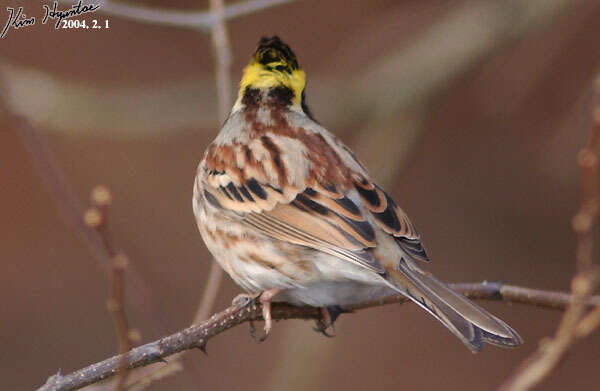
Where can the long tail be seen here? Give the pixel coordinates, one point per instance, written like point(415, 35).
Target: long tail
point(469, 322)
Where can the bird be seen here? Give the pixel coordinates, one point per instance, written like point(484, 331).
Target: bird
point(292, 215)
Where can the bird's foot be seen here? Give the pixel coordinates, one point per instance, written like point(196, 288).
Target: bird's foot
point(245, 299)
point(328, 317)
point(325, 322)
point(264, 299)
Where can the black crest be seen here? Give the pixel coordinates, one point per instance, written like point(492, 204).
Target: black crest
point(271, 50)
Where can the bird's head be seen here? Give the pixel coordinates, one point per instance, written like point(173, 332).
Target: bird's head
point(274, 67)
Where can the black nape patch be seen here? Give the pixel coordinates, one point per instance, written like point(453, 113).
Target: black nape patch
point(251, 97)
point(281, 95)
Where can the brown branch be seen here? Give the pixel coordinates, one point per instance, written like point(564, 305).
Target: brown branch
point(575, 323)
point(497, 291)
point(196, 336)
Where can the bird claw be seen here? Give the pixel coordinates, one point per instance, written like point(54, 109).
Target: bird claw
point(328, 317)
point(335, 311)
point(246, 300)
point(322, 329)
point(254, 336)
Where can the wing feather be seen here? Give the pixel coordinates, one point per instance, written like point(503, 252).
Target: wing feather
point(317, 210)
point(311, 212)
point(390, 218)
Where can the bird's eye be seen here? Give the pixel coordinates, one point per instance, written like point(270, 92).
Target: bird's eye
point(280, 68)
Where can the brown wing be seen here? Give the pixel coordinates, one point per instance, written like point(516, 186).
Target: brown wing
point(310, 209)
point(305, 196)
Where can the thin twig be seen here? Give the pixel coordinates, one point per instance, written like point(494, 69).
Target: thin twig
point(91, 229)
point(196, 336)
point(162, 371)
point(68, 204)
point(222, 54)
point(589, 323)
point(96, 217)
point(202, 20)
point(222, 51)
point(574, 323)
point(211, 288)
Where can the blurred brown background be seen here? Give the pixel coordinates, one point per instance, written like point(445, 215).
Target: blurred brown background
point(471, 111)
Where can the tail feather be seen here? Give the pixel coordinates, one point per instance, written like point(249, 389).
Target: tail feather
point(470, 323)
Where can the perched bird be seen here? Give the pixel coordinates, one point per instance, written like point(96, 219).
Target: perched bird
point(292, 215)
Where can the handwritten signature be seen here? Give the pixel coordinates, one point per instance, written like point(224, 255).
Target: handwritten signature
point(17, 19)
point(75, 10)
